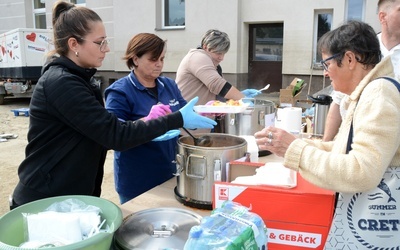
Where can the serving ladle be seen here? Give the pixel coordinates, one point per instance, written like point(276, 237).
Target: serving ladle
point(265, 88)
point(202, 141)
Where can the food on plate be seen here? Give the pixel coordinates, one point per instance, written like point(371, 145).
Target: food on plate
point(220, 107)
point(230, 102)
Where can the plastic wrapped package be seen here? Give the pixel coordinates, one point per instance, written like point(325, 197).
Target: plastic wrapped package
point(231, 227)
point(89, 216)
point(61, 224)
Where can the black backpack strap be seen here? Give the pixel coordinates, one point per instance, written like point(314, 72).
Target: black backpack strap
point(350, 139)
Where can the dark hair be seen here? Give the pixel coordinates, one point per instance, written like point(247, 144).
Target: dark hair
point(355, 36)
point(70, 21)
point(141, 44)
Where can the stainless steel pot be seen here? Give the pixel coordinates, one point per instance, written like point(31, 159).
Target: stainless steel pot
point(198, 167)
point(158, 228)
point(253, 119)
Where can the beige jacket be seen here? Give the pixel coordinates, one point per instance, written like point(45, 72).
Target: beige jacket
point(197, 76)
point(374, 108)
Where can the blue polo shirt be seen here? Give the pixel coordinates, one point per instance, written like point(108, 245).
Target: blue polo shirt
point(141, 168)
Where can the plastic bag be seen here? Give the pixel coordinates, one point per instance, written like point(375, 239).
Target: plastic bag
point(89, 215)
point(62, 223)
point(51, 227)
point(230, 227)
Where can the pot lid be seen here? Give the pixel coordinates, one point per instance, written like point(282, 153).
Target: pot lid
point(158, 228)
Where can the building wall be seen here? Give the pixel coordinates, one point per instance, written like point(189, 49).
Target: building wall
point(125, 18)
point(12, 15)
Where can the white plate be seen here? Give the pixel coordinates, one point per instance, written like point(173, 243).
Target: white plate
point(220, 109)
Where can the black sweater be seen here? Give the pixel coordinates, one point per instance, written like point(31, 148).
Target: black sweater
point(70, 132)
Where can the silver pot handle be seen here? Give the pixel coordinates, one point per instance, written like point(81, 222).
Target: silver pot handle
point(217, 170)
point(232, 119)
point(179, 162)
point(203, 170)
point(261, 118)
point(162, 232)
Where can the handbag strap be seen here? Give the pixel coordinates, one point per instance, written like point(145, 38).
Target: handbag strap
point(350, 139)
point(396, 83)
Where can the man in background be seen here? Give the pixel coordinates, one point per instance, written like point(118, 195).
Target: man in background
point(389, 39)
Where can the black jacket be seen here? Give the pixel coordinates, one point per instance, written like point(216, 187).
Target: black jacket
point(70, 132)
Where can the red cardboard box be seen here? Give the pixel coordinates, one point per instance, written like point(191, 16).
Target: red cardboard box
point(296, 218)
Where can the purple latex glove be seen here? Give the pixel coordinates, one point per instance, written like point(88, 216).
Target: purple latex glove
point(157, 111)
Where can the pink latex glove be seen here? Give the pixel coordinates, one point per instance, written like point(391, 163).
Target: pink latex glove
point(210, 102)
point(157, 111)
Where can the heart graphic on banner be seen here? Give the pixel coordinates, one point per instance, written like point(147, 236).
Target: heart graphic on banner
point(31, 37)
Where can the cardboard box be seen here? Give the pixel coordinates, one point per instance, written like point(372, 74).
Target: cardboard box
point(297, 218)
point(286, 96)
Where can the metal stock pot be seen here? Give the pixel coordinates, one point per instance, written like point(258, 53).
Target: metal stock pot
point(198, 167)
point(253, 119)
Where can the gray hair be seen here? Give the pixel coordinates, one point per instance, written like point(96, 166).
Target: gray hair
point(385, 4)
point(216, 41)
point(355, 36)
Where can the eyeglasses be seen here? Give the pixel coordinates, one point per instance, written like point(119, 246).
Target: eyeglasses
point(323, 62)
point(103, 44)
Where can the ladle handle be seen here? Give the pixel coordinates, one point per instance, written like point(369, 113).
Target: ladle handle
point(194, 138)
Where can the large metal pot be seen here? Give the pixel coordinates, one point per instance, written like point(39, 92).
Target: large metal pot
point(157, 228)
point(253, 119)
point(198, 167)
